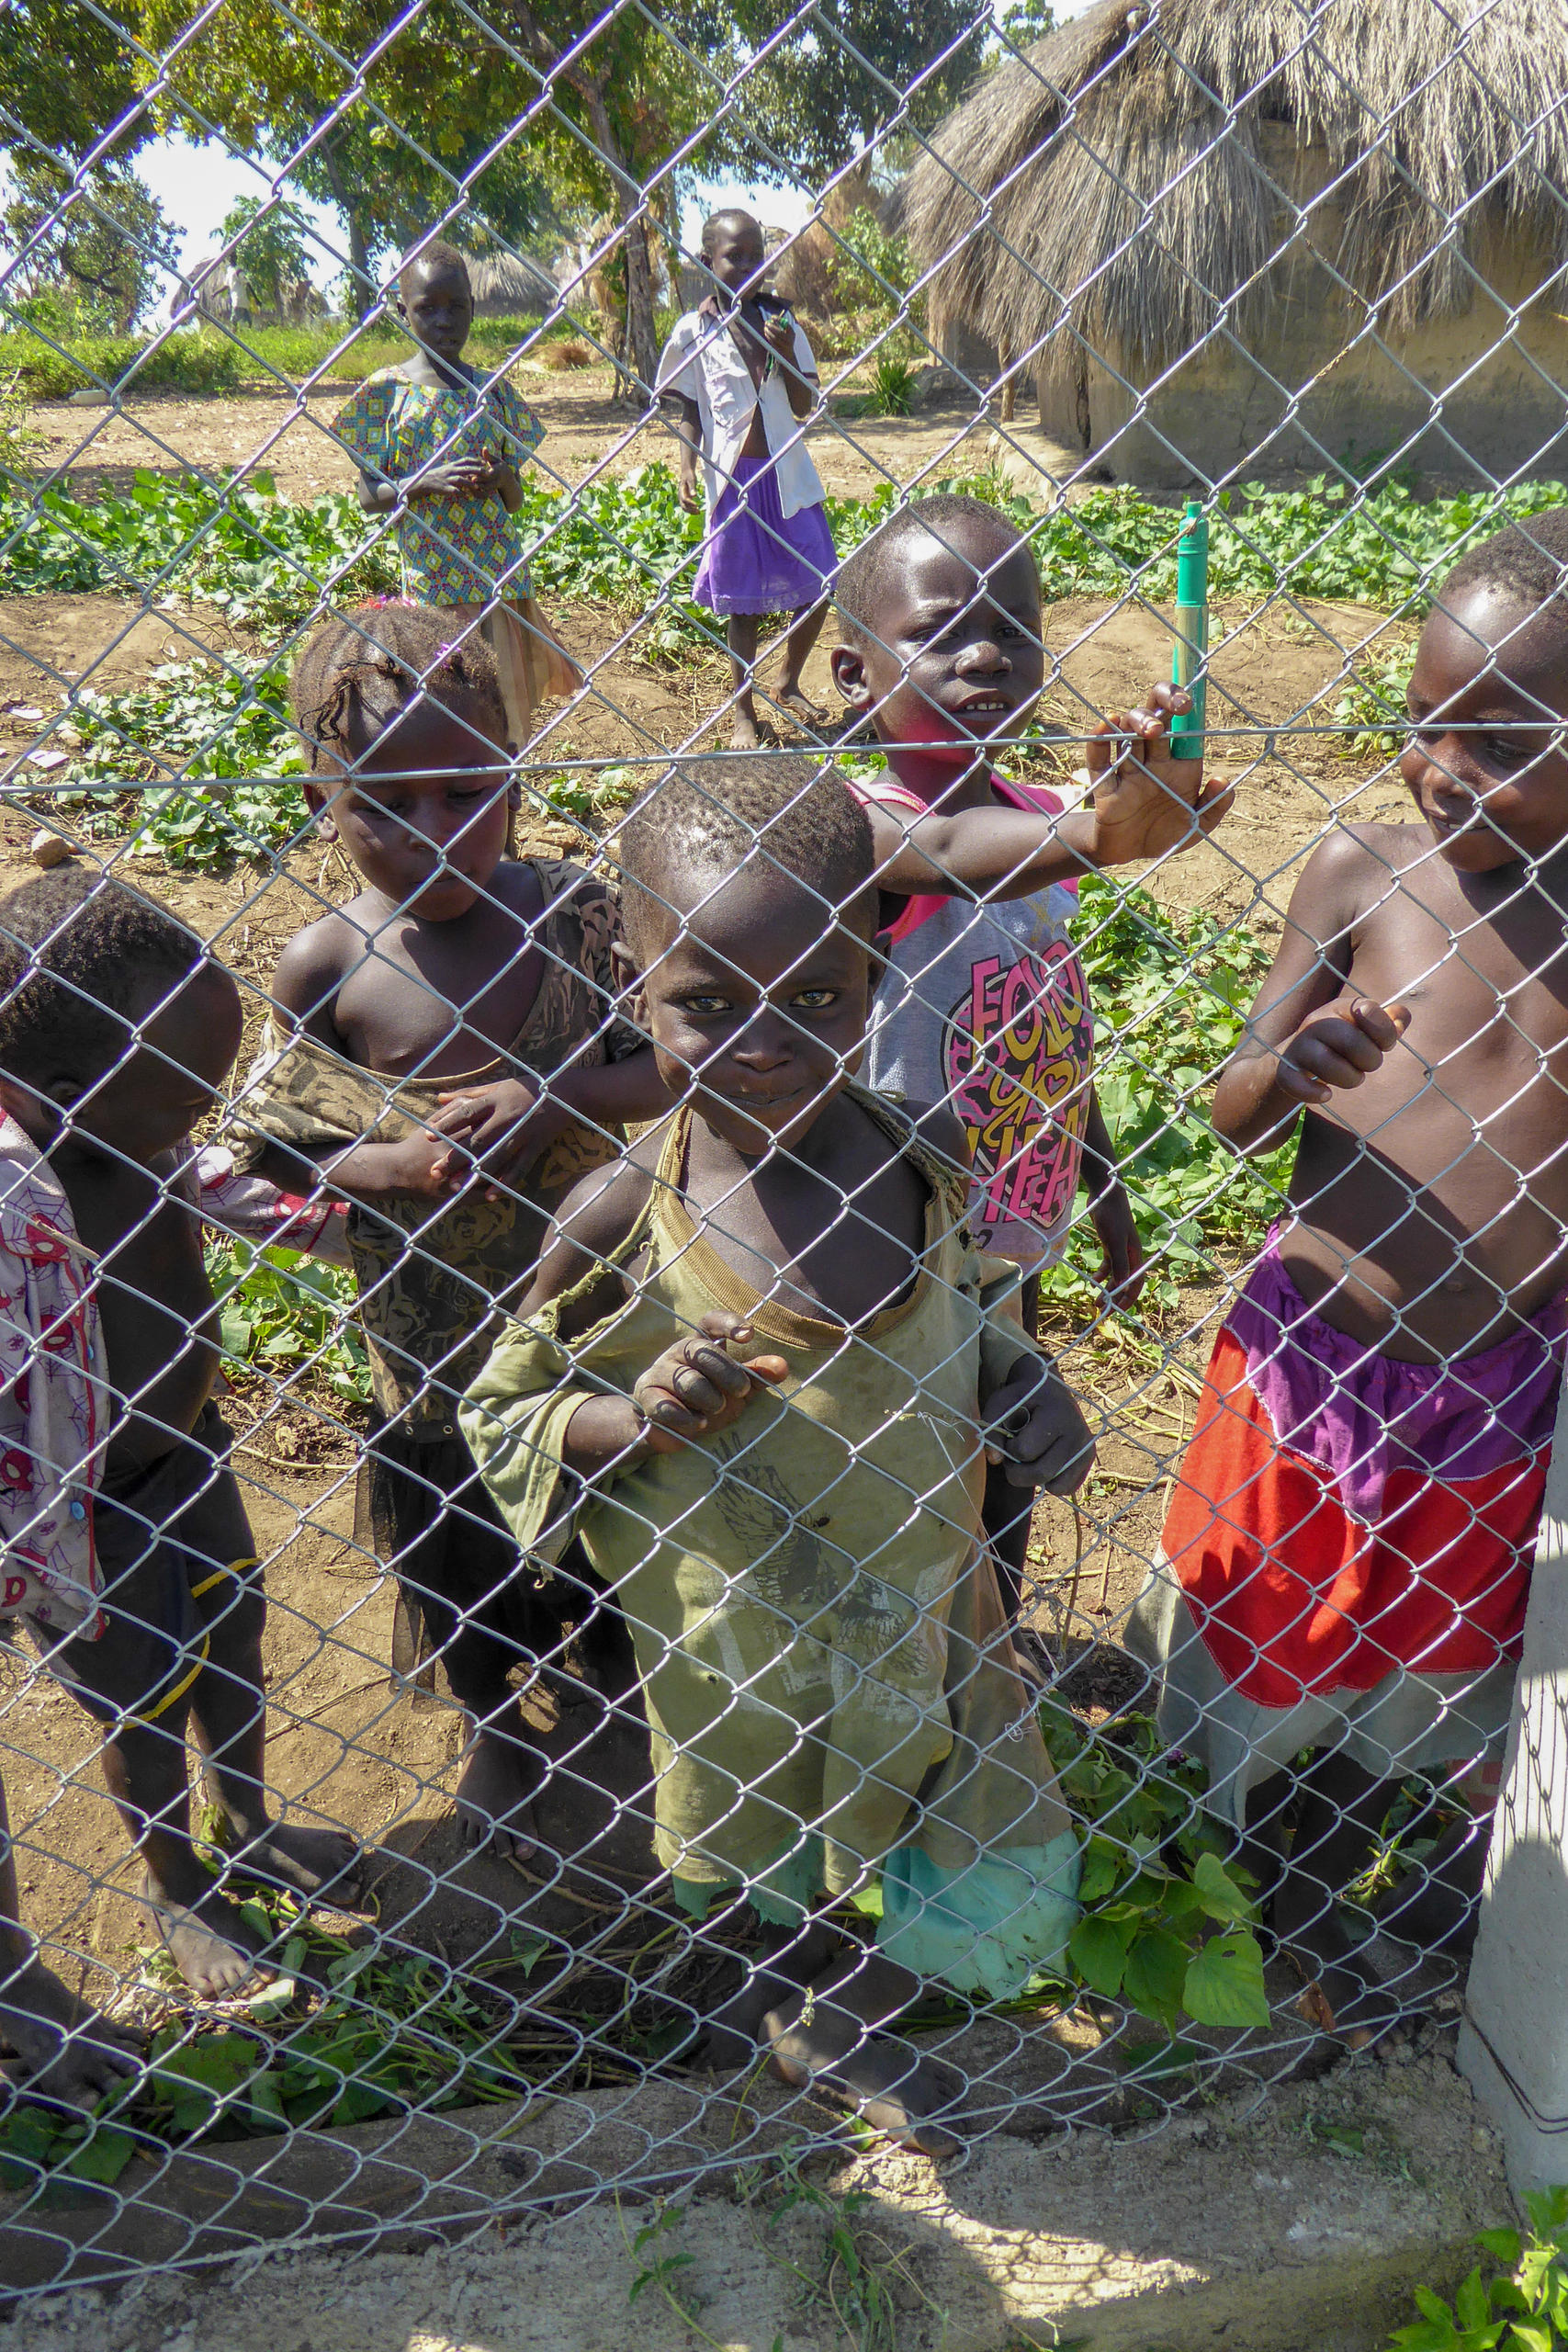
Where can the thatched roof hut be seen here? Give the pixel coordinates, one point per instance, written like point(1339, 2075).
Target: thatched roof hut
point(507, 284)
point(1207, 223)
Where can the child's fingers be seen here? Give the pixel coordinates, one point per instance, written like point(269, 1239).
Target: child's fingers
point(1385, 1024)
point(1214, 801)
point(1334, 1052)
point(770, 1368)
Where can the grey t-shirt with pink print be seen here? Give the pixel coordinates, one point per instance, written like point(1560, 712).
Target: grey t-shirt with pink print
point(986, 1008)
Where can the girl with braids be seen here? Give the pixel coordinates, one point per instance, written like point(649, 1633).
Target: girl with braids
point(445, 1054)
point(438, 445)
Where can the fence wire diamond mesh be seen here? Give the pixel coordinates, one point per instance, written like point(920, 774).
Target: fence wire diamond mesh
point(671, 1474)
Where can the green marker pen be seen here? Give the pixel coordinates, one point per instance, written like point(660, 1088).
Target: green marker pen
point(1191, 630)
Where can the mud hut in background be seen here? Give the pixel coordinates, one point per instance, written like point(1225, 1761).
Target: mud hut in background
point(1229, 233)
point(511, 286)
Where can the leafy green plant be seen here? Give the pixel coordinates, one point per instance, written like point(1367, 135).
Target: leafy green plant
point(892, 385)
point(264, 558)
point(1521, 2307)
point(222, 728)
point(1167, 1925)
point(19, 439)
point(1170, 997)
point(188, 359)
point(1372, 706)
point(280, 1310)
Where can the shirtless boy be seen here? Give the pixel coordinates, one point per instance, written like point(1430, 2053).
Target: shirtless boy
point(446, 1058)
point(99, 1103)
point(1350, 1544)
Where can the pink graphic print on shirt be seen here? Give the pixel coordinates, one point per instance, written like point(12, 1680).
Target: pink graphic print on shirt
point(1016, 1056)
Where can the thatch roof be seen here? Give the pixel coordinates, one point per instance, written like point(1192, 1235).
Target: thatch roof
point(1123, 171)
point(506, 282)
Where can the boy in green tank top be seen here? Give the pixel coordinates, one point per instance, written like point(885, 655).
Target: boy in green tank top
point(796, 1534)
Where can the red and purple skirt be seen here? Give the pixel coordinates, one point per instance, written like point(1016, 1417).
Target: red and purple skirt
point(1347, 1555)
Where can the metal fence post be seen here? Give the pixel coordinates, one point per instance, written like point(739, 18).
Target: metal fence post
point(1514, 2042)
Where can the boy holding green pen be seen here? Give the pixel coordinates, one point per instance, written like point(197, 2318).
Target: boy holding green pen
point(984, 1009)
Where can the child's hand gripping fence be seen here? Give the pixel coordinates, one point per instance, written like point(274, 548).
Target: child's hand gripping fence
point(557, 1287)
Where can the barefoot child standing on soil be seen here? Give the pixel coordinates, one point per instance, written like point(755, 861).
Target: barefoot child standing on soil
point(1346, 1556)
point(139, 1575)
point(439, 447)
point(984, 1011)
point(741, 375)
point(795, 1535)
point(446, 1058)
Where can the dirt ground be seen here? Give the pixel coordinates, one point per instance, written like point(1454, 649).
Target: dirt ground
point(587, 435)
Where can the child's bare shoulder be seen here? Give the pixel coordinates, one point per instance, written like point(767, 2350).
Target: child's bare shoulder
point(316, 962)
point(1352, 871)
point(597, 1218)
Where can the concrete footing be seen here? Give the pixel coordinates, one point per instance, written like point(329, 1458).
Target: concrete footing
point(1296, 2222)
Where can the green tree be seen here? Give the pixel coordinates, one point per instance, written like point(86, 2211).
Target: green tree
point(851, 74)
point(97, 236)
point(68, 74)
point(392, 128)
point(271, 245)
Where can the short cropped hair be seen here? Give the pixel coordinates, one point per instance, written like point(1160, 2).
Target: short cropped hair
point(437, 255)
point(799, 813)
point(718, 220)
point(1527, 560)
point(863, 576)
point(79, 952)
point(374, 661)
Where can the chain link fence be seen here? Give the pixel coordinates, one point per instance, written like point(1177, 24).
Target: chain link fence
point(470, 1742)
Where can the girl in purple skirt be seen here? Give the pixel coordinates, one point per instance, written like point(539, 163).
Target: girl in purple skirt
point(742, 377)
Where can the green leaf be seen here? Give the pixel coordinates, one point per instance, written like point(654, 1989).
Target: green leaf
point(1100, 1955)
point(1504, 2246)
point(1224, 1982)
point(1472, 2305)
point(1222, 1897)
point(103, 2157)
point(1157, 1963)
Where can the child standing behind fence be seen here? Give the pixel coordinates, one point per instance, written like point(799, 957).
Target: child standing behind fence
point(984, 1010)
point(440, 448)
point(1350, 1537)
point(448, 1059)
point(740, 374)
point(128, 1554)
point(795, 1535)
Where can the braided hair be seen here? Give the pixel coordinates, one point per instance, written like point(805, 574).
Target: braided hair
point(368, 664)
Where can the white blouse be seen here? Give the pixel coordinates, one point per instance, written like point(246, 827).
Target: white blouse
point(702, 362)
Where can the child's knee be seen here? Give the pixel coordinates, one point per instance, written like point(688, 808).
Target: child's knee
point(230, 1604)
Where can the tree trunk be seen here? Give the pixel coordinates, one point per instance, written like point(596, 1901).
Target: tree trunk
point(359, 245)
point(642, 332)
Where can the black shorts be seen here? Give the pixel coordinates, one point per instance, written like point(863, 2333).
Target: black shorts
point(175, 1552)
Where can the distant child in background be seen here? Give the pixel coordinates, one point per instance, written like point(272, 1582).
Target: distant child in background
point(984, 1010)
point(440, 447)
point(794, 1535)
point(128, 1555)
point(446, 1057)
point(741, 376)
point(1347, 1553)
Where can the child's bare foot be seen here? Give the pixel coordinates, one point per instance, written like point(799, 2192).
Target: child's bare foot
point(64, 2050)
point(743, 735)
point(801, 708)
point(210, 1942)
point(1343, 1995)
point(815, 2045)
point(495, 1791)
point(304, 1862)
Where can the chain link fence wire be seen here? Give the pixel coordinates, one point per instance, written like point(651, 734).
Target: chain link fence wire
point(469, 1742)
